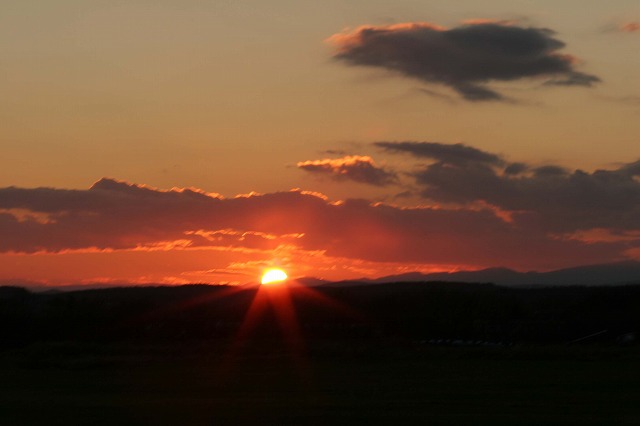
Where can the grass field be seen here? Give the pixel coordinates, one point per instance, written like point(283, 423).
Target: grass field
point(336, 382)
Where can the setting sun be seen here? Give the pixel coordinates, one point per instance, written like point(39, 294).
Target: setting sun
point(273, 276)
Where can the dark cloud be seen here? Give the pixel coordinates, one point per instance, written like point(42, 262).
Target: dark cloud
point(630, 169)
point(516, 168)
point(466, 58)
point(553, 197)
point(118, 215)
point(550, 171)
point(446, 153)
point(574, 79)
point(357, 168)
point(474, 92)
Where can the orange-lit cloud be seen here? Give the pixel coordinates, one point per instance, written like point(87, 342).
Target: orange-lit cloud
point(118, 216)
point(354, 37)
point(466, 58)
point(191, 265)
point(358, 168)
point(604, 235)
point(630, 27)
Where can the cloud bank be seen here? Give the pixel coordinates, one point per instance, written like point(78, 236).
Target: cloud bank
point(467, 58)
point(116, 215)
point(549, 197)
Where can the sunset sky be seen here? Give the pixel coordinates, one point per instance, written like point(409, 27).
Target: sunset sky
point(202, 141)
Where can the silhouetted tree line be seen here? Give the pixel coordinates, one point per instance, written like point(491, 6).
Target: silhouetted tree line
point(417, 311)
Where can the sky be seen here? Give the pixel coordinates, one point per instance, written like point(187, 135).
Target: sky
point(203, 141)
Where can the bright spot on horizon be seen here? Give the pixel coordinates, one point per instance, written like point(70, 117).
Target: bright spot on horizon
point(273, 276)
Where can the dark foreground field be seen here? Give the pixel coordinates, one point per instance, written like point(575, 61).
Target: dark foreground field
point(125, 384)
point(439, 355)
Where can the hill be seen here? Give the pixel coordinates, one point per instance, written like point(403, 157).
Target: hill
point(414, 311)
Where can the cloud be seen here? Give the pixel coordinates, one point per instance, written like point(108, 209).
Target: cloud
point(466, 58)
point(551, 197)
point(630, 27)
point(115, 215)
point(446, 153)
point(574, 79)
point(516, 168)
point(357, 168)
point(632, 100)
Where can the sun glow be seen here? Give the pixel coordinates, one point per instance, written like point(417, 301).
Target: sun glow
point(273, 276)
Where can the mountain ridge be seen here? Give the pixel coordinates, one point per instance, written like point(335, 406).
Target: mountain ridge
point(623, 272)
point(616, 273)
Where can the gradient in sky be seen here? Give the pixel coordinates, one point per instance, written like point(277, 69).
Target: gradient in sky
point(365, 138)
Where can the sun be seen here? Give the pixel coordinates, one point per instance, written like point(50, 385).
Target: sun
point(273, 276)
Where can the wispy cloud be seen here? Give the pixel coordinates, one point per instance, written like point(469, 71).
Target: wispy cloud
point(449, 153)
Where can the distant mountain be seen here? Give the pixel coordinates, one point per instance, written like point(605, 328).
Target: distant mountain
point(312, 281)
point(626, 272)
point(612, 273)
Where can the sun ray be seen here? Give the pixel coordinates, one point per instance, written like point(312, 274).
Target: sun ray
point(281, 299)
point(327, 301)
point(287, 318)
point(216, 293)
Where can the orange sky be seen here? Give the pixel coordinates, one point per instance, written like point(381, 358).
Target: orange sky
point(421, 136)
